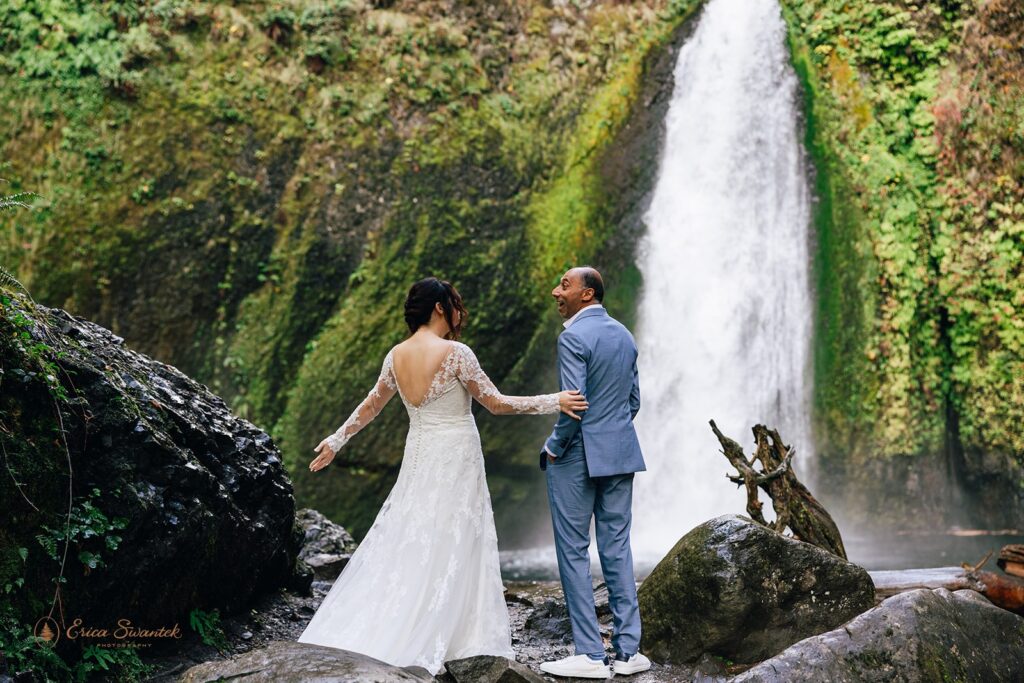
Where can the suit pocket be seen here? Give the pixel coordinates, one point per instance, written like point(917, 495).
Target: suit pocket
point(568, 457)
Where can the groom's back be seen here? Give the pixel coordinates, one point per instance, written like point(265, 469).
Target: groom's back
point(608, 435)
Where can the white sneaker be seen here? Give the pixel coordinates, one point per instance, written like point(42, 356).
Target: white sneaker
point(578, 666)
point(633, 665)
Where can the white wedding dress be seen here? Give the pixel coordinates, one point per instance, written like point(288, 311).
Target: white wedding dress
point(424, 586)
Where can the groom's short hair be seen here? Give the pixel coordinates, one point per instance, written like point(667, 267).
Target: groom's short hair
point(592, 279)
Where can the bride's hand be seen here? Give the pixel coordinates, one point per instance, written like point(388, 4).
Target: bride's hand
point(571, 400)
point(323, 459)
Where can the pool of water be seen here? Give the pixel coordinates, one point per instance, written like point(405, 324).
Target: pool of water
point(893, 551)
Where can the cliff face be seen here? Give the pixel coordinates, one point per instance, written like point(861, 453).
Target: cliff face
point(247, 192)
point(916, 124)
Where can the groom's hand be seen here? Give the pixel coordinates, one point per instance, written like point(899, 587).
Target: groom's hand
point(551, 458)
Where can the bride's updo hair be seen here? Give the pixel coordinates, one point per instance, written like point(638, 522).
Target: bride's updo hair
point(420, 304)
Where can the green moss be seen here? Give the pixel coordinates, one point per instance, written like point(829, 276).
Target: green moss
point(844, 396)
point(869, 72)
point(248, 191)
point(468, 183)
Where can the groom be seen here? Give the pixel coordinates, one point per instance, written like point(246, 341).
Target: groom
point(590, 465)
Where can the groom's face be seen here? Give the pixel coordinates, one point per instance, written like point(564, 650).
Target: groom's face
point(569, 293)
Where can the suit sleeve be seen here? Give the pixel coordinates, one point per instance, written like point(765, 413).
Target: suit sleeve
point(572, 374)
point(634, 393)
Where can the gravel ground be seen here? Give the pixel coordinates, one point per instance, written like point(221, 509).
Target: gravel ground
point(539, 623)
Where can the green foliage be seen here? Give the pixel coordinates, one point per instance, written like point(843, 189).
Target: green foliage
point(919, 152)
point(84, 522)
point(23, 653)
point(13, 201)
point(277, 173)
point(66, 40)
point(979, 247)
point(278, 22)
point(208, 626)
point(40, 353)
point(872, 70)
point(122, 665)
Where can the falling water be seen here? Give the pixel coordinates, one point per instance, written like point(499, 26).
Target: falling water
point(725, 316)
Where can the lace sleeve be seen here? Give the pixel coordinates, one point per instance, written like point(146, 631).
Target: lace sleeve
point(370, 407)
point(476, 381)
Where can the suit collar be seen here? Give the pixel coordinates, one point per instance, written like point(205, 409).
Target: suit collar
point(593, 309)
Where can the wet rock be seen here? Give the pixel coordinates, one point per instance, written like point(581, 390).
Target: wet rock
point(550, 621)
point(290, 661)
point(195, 506)
point(550, 618)
point(710, 668)
point(736, 589)
point(922, 635)
point(601, 601)
point(488, 669)
point(327, 547)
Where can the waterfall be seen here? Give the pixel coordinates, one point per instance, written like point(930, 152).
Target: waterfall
point(724, 319)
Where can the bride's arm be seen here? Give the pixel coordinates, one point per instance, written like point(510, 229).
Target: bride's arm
point(364, 413)
point(476, 381)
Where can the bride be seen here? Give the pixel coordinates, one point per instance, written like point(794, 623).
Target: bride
point(424, 586)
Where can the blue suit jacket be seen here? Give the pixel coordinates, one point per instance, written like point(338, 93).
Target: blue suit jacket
point(597, 355)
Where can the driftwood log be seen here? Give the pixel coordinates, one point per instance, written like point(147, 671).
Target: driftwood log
point(890, 582)
point(794, 505)
point(1011, 559)
point(1003, 591)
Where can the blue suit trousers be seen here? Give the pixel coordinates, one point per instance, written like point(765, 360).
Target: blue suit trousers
point(575, 498)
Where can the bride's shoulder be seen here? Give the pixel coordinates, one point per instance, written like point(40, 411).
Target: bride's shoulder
point(462, 352)
point(461, 348)
point(389, 357)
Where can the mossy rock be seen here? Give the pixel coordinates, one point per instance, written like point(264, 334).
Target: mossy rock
point(738, 590)
point(922, 636)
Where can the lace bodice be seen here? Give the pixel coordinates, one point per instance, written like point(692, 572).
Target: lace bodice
point(460, 368)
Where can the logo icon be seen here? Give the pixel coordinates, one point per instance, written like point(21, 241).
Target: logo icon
point(46, 631)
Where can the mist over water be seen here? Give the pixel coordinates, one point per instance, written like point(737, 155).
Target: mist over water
point(724, 320)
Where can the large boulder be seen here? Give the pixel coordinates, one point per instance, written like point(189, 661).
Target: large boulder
point(293, 661)
point(923, 635)
point(734, 588)
point(176, 504)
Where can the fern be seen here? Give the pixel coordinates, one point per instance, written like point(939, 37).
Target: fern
point(8, 280)
point(207, 625)
point(10, 201)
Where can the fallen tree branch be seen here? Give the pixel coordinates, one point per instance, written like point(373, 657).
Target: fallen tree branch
point(1004, 591)
point(793, 503)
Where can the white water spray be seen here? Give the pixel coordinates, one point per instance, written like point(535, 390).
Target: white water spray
point(725, 314)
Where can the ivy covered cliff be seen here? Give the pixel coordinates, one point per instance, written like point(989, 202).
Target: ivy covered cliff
point(246, 192)
point(916, 126)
